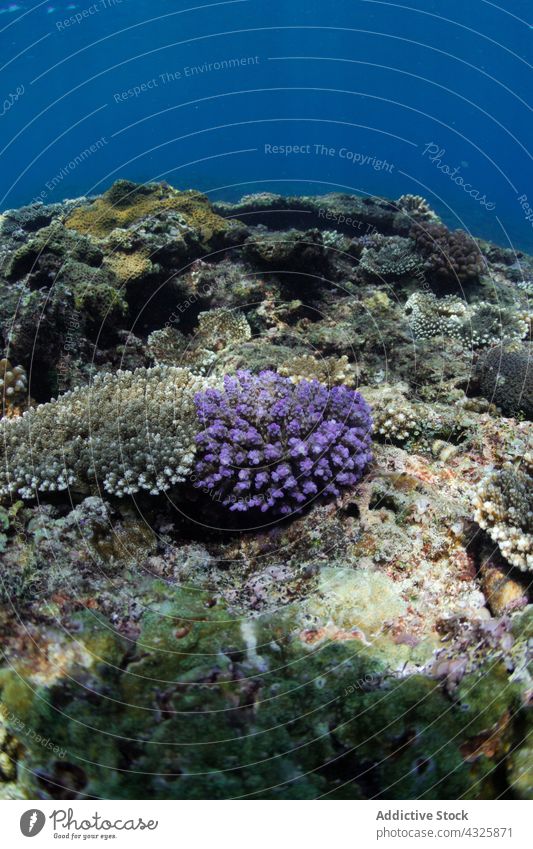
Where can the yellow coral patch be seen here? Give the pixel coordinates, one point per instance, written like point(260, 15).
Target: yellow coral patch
point(103, 215)
point(128, 266)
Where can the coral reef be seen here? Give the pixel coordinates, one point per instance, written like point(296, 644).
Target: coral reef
point(269, 444)
point(157, 644)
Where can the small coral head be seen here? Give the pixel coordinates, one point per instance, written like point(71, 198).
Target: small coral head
point(270, 445)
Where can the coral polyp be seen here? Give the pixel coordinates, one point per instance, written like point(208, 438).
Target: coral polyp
point(271, 445)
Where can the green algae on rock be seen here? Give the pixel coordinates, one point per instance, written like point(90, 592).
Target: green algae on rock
point(209, 704)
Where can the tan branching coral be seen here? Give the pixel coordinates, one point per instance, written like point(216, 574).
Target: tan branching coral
point(396, 421)
point(329, 370)
point(504, 508)
point(218, 330)
point(222, 328)
point(13, 384)
point(126, 432)
point(417, 207)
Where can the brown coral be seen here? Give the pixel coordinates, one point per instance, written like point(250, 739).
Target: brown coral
point(450, 256)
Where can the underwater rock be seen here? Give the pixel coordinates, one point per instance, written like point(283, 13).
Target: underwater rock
point(349, 214)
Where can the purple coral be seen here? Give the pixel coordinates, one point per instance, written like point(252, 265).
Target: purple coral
point(270, 444)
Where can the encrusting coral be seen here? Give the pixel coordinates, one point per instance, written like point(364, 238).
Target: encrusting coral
point(128, 432)
point(391, 258)
point(125, 203)
point(270, 444)
point(166, 346)
point(430, 316)
point(222, 328)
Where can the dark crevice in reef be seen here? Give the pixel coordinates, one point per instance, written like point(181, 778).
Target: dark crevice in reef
point(152, 304)
point(352, 511)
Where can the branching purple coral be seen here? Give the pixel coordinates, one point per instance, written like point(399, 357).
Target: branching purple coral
point(272, 445)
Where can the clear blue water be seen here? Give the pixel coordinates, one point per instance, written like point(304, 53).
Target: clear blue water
point(201, 95)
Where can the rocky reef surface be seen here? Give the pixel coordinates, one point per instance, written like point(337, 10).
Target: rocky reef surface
point(165, 633)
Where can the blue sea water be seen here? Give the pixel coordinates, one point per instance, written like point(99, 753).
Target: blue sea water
point(300, 97)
